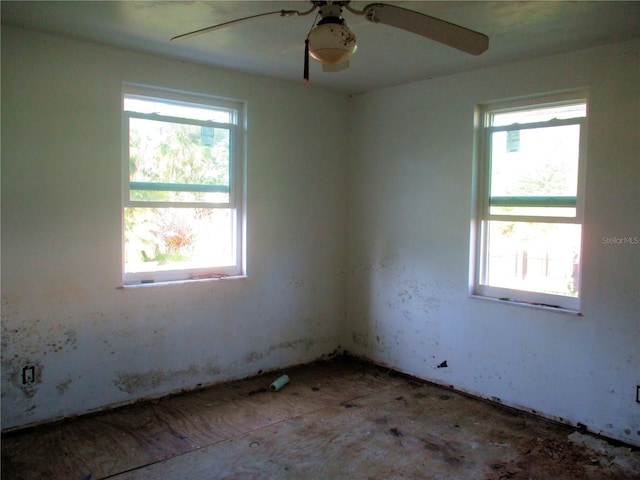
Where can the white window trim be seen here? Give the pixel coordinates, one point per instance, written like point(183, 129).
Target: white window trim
point(237, 182)
point(481, 213)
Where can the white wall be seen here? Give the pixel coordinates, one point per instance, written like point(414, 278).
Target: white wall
point(410, 185)
point(95, 345)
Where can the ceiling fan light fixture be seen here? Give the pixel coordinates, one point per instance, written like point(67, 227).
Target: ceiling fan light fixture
point(331, 42)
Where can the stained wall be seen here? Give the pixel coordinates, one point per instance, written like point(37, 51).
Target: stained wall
point(93, 345)
point(411, 184)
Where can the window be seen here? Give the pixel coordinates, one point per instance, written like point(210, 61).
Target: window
point(183, 186)
point(527, 240)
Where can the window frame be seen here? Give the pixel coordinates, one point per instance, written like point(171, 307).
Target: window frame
point(482, 216)
point(237, 179)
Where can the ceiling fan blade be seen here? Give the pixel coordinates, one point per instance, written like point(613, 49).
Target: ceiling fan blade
point(441, 31)
point(220, 25)
point(282, 13)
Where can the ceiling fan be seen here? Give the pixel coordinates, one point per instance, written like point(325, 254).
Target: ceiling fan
point(332, 43)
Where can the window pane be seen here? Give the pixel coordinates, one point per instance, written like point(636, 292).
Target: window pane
point(175, 153)
point(158, 239)
point(536, 257)
point(533, 211)
point(538, 114)
point(173, 196)
point(536, 162)
point(174, 109)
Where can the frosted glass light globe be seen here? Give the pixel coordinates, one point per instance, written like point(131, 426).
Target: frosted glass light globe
point(332, 43)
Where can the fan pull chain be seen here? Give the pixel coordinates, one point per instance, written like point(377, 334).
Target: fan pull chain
point(306, 50)
point(306, 60)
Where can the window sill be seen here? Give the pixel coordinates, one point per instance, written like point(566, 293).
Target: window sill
point(534, 306)
point(188, 281)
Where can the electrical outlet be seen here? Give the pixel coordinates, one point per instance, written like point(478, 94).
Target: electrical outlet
point(28, 374)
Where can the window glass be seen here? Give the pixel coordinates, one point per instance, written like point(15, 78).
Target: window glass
point(529, 235)
point(537, 257)
point(183, 199)
point(177, 162)
point(543, 161)
point(178, 238)
point(537, 168)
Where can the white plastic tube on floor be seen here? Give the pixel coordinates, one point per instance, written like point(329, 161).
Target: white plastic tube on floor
point(279, 383)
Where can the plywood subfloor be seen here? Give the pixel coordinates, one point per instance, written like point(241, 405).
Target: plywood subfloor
point(342, 419)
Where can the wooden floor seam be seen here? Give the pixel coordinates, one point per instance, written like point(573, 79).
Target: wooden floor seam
point(242, 434)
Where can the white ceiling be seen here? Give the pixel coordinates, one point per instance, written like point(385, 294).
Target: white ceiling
point(386, 56)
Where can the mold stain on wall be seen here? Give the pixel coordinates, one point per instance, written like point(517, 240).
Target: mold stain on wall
point(133, 383)
point(25, 348)
point(36, 337)
point(305, 343)
point(14, 368)
point(68, 341)
point(62, 387)
point(362, 339)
